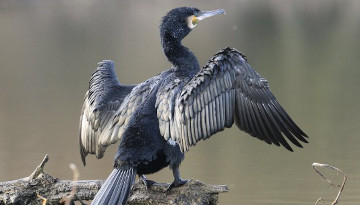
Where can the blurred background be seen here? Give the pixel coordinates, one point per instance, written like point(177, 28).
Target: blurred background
point(308, 50)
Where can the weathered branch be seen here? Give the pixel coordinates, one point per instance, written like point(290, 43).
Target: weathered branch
point(41, 188)
point(193, 192)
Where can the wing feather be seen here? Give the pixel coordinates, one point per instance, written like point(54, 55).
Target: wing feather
point(108, 107)
point(101, 101)
point(225, 91)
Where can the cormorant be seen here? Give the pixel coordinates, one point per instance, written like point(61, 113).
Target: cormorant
point(158, 120)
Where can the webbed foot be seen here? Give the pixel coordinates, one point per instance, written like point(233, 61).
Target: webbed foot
point(177, 183)
point(177, 179)
point(146, 182)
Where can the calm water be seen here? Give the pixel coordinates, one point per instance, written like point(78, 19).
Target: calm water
point(308, 50)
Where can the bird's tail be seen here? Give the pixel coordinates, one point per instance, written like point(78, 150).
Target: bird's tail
point(116, 188)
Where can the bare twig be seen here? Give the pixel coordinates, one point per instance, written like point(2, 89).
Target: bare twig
point(319, 199)
point(39, 169)
point(70, 198)
point(331, 183)
point(42, 198)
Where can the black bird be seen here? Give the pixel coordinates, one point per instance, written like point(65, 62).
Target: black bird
point(158, 120)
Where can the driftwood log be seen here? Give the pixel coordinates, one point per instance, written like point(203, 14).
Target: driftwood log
point(41, 188)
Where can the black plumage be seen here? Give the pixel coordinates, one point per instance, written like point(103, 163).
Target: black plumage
point(158, 120)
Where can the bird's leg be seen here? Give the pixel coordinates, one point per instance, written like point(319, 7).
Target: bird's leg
point(146, 182)
point(177, 180)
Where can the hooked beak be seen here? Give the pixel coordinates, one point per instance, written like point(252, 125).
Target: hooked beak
point(206, 14)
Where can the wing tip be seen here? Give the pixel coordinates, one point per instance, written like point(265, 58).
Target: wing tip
point(229, 51)
point(83, 156)
point(302, 139)
point(106, 63)
point(107, 66)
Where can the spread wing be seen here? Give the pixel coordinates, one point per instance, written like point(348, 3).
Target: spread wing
point(227, 89)
point(101, 102)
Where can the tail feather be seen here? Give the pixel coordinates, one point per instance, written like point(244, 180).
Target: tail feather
point(116, 188)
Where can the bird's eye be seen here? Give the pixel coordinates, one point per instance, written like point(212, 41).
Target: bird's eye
point(192, 21)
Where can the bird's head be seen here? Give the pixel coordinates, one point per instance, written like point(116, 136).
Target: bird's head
point(180, 21)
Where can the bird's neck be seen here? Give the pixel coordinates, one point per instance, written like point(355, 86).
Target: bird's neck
point(180, 56)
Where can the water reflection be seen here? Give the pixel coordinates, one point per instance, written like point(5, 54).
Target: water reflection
point(308, 50)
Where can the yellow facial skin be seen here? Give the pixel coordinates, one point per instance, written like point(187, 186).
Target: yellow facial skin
point(192, 21)
point(195, 20)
